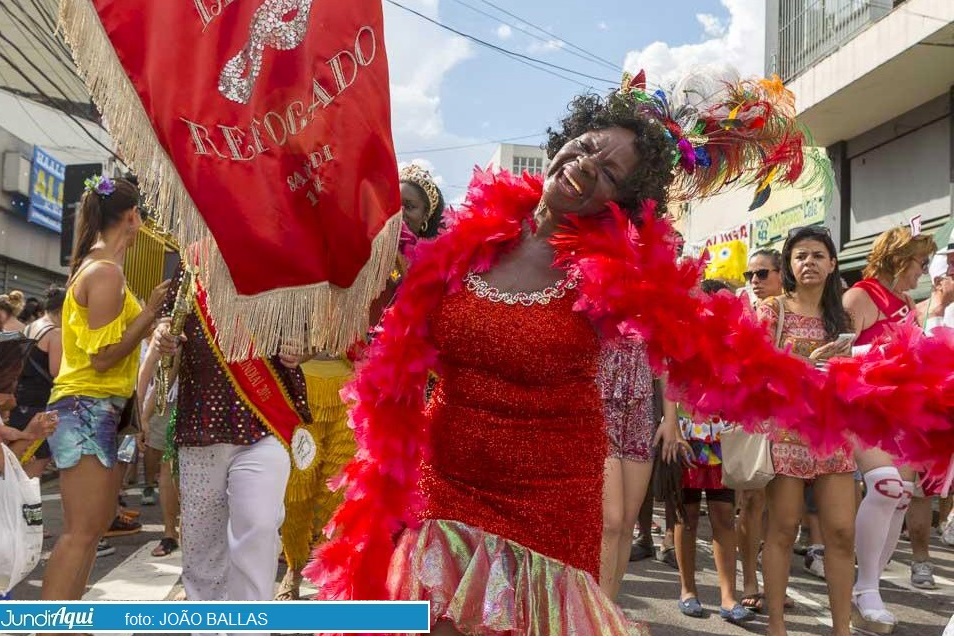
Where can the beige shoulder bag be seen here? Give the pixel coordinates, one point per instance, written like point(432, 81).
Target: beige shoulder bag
point(747, 457)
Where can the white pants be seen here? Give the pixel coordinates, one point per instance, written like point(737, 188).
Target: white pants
point(232, 507)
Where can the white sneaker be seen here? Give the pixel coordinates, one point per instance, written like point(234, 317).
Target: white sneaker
point(947, 532)
point(104, 549)
point(815, 561)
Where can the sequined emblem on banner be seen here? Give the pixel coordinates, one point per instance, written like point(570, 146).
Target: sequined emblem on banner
point(303, 448)
point(277, 24)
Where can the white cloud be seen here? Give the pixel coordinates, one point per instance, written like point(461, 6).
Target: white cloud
point(504, 32)
point(711, 25)
point(416, 80)
point(549, 46)
point(741, 44)
point(602, 26)
point(426, 165)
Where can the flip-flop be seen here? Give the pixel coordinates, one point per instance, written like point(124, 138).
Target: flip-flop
point(753, 602)
point(756, 602)
point(165, 547)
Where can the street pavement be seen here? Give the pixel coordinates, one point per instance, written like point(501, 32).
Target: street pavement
point(649, 591)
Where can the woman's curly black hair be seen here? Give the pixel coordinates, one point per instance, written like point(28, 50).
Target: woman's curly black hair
point(654, 149)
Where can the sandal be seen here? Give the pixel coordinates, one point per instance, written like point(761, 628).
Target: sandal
point(753, 602)
point(875, 621)
point(756, 602)
point(290, 587)
point(165, 547)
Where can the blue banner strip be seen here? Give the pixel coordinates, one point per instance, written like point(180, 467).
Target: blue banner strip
point(170, 617)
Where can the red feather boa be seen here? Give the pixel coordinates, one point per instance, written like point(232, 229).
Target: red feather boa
point(717, 355)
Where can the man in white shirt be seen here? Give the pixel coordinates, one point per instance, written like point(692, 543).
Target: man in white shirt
point(934, 312)
point(939, 307)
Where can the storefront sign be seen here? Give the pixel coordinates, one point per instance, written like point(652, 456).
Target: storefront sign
point(46, 191)
point(740, 233)
point(773, 228)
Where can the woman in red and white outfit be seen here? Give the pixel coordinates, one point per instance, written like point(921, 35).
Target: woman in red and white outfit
point(897, 262)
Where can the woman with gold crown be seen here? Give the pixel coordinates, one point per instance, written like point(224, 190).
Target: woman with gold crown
point(310, 504)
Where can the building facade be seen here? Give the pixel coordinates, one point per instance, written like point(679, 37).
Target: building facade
point(874, 84)
point(518, 158)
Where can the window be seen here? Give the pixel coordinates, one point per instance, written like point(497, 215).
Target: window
point(534, 165)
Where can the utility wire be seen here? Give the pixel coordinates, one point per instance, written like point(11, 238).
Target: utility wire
point(49, 26)
point(48, 18)
point(41, 41)
point(43, 35)
point(40, 91)
point(612, 65)
point(489, 45)
point(474, 145)
point(67, 99)
point(589, 57)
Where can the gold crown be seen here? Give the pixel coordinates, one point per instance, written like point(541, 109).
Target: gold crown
point(421, 178)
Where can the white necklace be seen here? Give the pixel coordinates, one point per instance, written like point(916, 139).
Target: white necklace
point(476, 284)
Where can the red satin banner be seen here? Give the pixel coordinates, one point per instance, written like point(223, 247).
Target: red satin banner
point(265, 126)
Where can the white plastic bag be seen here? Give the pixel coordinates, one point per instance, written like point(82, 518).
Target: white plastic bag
point(21, 522)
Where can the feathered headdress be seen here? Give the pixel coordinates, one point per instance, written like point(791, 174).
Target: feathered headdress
point(728, 131)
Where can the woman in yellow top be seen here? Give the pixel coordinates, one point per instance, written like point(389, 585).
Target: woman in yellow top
point(103, 326)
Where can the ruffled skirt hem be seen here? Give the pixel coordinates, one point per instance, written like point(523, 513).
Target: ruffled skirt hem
point(487, 585)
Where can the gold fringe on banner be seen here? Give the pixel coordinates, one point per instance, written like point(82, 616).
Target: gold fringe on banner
point(319, 316)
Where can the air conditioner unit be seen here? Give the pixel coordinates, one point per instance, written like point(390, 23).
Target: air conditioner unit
point(16, 174)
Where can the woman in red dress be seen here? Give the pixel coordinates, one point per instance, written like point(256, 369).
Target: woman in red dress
point(486, 501)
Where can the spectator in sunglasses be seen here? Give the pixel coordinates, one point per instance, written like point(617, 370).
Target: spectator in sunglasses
point(765, 273)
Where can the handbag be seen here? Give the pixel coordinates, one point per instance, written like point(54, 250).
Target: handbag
point(21, 522)
point(746, 456)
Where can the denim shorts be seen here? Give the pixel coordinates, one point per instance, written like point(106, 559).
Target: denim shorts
point(86, 426)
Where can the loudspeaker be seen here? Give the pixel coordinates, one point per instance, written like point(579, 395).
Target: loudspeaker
point(73, 179)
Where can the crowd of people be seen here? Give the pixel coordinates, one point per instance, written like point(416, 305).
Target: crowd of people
point(545, 429)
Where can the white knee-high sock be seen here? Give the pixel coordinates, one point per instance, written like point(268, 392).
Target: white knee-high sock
point(897, 522)
point(884, 491)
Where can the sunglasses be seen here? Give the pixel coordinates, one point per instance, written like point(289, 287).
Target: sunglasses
point(762, 273)
point(815, 230)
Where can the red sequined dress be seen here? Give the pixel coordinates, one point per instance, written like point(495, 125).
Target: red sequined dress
point(510, 540)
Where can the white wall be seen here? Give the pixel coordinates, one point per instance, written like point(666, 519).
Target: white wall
point(901, 170)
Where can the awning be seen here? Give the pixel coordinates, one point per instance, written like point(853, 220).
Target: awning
point(53, 130)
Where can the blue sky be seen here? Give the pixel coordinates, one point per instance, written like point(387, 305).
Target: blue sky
point(448, 91)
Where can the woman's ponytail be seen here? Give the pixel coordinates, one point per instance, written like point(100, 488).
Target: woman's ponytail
point(97, 212)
